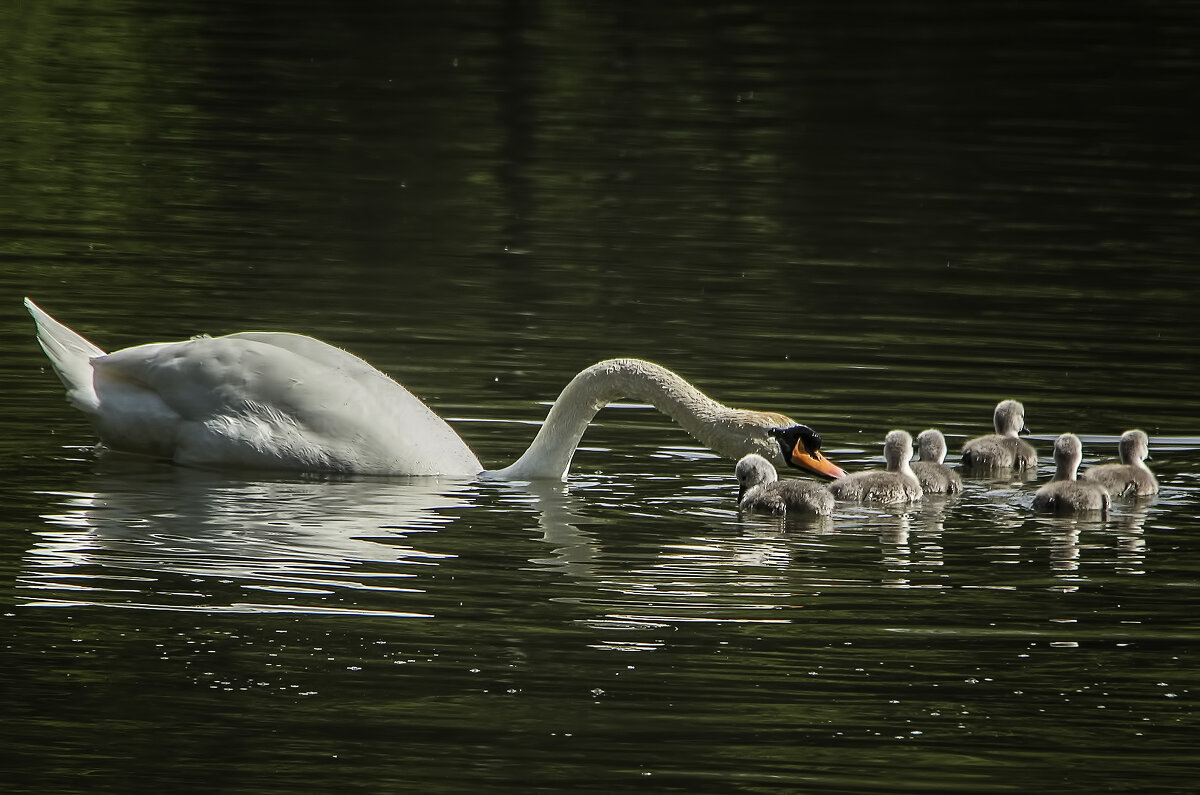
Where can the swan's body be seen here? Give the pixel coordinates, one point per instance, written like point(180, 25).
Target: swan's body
point(760, 489)
point(898, 483)
point(1003, 449)
point(934, 476)
point(1064, 494)
point(277, 401)
point(1131, 477)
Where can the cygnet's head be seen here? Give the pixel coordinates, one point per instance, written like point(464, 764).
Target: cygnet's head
point(897, 449)
point(1068, 452)
point(753, 470)
point(931, 446)
point(1009, 418)
point(1134, 446)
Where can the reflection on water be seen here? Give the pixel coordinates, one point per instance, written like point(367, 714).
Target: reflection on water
point(636, 591)
point(154, 536)
point(184, 538)
point(146, 535)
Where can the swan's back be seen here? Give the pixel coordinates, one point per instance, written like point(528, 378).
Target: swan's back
point(257, 400)
point(1131, 477)
point(760, 490)
point(276, 401)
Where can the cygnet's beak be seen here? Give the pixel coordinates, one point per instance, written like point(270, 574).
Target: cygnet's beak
point(1024, 431)
point(802, 449)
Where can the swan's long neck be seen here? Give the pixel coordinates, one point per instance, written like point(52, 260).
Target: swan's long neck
point(729, 432)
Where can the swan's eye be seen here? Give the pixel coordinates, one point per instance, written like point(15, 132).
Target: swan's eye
point(811, 439)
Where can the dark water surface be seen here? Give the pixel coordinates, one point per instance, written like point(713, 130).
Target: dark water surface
point(884, 215)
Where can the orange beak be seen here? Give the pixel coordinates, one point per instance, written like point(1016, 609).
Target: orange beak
point(814, 462)
point(801, 447)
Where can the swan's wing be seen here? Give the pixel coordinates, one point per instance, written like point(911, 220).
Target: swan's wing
point(208, 376)
point(313, 350)
point(278, 400)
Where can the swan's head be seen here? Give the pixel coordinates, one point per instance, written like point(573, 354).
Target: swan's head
point(931, 446)
point(801, 447)
point(897, 449)
point(753, 470)
point(1134, 446)
point(1009, 419)
point(1068, 452)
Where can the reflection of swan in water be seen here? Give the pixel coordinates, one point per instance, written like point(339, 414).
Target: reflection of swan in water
point(275, 401)
point(935, 477)
point(1003, 449)
point(180, 538)
point(573, 551)
point(760, 489)
point(1131, 477)
point(1064, 494)
point(187, 539)
point(140, 536)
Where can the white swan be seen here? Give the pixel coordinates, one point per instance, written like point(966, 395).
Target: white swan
point(1064, 494)
point(278, 401)
point(760, 489)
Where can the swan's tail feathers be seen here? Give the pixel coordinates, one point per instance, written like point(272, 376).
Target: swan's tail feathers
point(71, 356)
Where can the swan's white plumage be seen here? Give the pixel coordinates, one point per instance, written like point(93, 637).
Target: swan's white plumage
point(257, 400)
point(731, 432)
point(71, 356)
point(268, 400)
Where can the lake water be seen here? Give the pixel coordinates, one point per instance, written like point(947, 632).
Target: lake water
point(868, 217)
